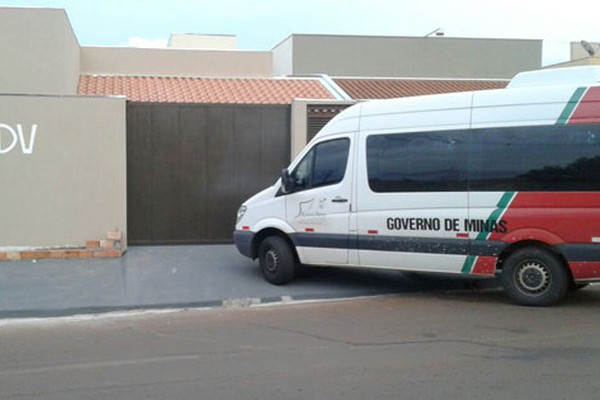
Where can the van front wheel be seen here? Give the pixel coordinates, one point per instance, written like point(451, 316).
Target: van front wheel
point(534, 277)
point(277, 261)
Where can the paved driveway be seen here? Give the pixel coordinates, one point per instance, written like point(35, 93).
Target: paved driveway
point(182, 276)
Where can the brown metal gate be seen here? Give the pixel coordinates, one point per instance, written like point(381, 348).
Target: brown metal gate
point(189, 167)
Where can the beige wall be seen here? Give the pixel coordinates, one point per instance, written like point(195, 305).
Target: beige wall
point(175, 62)
point(71, 188)
point(40, 54)
point(440, 57)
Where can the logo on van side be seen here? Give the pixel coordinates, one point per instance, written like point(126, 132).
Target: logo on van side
point(10, 137)
point(311, 208)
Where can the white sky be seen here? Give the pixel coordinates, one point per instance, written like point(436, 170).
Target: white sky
point(261, 24)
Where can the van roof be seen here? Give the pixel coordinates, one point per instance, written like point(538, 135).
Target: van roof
point(584, 75)
point(347, 120)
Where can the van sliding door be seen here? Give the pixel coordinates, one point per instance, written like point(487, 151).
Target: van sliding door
point(413, 202)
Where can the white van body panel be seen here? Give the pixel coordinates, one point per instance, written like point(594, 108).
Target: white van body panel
point(519, 107)
point(264, 208)
point(418, 262)
point(274, 223)
point(423, 113)
point(573, 76)
point(345, 122)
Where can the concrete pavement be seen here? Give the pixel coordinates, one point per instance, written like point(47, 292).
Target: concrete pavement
point(182, 276)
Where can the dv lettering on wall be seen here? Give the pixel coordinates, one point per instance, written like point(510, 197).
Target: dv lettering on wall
point(10, 137)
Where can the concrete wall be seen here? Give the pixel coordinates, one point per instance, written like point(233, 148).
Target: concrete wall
point(175, 62)
point(40, 54)
point(67, 184)
point(283, 57)
point(410, 57)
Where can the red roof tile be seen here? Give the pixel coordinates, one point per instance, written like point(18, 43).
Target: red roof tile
point(203, 90)
point(363, 89)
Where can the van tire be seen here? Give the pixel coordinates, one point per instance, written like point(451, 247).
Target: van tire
point(535, 277)
point(277, 260)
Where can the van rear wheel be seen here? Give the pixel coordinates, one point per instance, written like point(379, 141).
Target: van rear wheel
point(534, 277)
point(277, 261)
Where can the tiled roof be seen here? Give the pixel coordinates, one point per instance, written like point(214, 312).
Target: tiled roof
point(203, 90)
point(362, 89)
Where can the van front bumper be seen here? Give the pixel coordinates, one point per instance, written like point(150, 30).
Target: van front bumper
point(243, 242)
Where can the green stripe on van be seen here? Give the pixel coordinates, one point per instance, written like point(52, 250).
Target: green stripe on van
point(468, 265)
point(570, 107)
point(497, 213)
point(503, 203)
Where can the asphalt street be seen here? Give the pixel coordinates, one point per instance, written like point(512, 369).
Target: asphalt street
point(430, 345)
point(159, 277)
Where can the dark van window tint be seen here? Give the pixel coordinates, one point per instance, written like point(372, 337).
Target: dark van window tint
point(416, 162)
point(544, 158)
point(324, 164)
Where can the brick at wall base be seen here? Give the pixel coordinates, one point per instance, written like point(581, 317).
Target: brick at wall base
point(103, 248)
point(114, 235)
point(108, 253)
point(33, 255)
point(60, 254)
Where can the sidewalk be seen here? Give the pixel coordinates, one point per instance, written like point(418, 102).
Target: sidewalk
point(177, 277)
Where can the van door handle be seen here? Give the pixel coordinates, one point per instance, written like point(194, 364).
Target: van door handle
point(339, 200)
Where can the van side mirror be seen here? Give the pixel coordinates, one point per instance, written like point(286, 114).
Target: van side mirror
point(287, 183)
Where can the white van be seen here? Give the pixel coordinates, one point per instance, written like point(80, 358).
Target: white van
point(501, 182)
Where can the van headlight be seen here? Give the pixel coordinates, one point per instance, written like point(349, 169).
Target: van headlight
point(240, 213)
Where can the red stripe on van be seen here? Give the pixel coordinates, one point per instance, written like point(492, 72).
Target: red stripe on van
point(551, 217)
point(585, 270)
point(588, 109)
point(484, 266)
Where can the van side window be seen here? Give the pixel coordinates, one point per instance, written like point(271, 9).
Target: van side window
point(417, 162)
point(536, 158)
point(324, 164)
